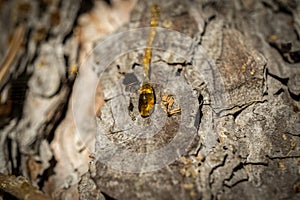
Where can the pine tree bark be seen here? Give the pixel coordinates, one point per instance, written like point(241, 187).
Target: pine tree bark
point(70, 72)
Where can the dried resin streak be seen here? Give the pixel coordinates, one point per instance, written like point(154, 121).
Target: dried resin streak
point(147, 95)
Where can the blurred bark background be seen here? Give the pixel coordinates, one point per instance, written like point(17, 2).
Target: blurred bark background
point(255, 153)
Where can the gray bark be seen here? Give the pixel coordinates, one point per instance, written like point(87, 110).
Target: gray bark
point(231, 66)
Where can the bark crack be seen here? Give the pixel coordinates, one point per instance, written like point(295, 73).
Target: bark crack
point(206, 23)
point(241, 108)
point(211, 182)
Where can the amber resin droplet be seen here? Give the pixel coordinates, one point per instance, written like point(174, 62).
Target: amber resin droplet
point(146, 100)
point(147, 96)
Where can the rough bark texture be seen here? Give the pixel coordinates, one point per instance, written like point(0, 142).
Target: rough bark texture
point(69, 117)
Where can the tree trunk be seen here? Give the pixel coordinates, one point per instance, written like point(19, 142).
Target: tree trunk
point(226, 81)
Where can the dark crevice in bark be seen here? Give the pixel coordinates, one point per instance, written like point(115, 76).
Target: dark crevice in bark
point(35, 55)
point(237, 168)
point(235, 115)
point(135, 64)
point(71, 32)
point(107, 197)
point(286, 6)
point(294, 96)
point(66, 62)
point(108, 2)
point(284, 49)
point(86, 6)
point(236, 183)
point(10, 156)
point(47, 173)
point(42, 8)
point(8, 196)
point(18, 94)
point(257, 163)
point(14, 166)
point(46, 38)
point(206, 23)
point(59, 115)
point(27, 35)
point(183, 64)
point(242, 108)
point(59, 5)
point(211, 182)
point(265, 78)
point(292, 134)
point(280, 91)
point(267, 5)
point(199, 113)
point(284, 81)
